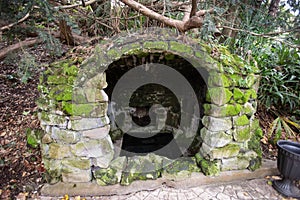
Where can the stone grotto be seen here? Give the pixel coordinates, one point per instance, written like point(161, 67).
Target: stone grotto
point(147, 105)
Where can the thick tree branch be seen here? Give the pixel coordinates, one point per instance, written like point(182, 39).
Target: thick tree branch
point(15, 23)
point(183, 26)
point(25, 43)
point(194, 8)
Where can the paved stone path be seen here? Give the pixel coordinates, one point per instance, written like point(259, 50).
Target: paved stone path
point(257, 189)
point(253, 189)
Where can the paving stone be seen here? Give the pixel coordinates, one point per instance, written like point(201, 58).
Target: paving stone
point(151, 197)
point(255, 195)
point(228, 190)
point(190, 195)
point(181, 196)
point(198, 190)
point(134, 198)
point(214, 190)
point(222, 196)
point(205, 195)
point(242, 195)
point(173, 195)
point(156, 192)
point(142, 194)
point(163, 195)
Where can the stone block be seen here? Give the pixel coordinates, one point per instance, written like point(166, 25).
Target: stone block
point(216, 139)
point(219, 80)
point(217, 124)
point(76, 176)
point(234, 164)
point(65, 136)
point(209, 168)
point(85, 110)
point(240, 120)
point(77, 163)
point(79, 123)
point(119, 165)
point(248, 109)
point(98, 81)
point(219, 95)
point(180, 48)
point(59, 151)
point(89, 95)
point(101, 151)
point(46, 139)
point(242, 133)
point(48, 119)
point(61, 93)
point(228, 151)
point(226, 110)
point(97, 133)
point(45, 150)
point(161, 45)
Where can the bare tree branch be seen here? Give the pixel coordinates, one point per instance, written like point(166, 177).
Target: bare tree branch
point(194, 22)
point(11, 48)
point(268, 35)
point(12, 24)
point(76, 5)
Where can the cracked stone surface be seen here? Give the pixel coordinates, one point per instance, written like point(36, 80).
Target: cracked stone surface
point(256, 189)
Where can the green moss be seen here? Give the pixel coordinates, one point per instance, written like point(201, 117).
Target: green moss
point(33, 137)
point(254, 144)
point(56, 80)
point(200, 55)
point(242, 134)
point(78, 163)
point(247, 82)
point(114, 54)
point(250, 94)
point(241, 121)
point(61, 93)
point(70, 70)
point(106, 176)
point(237, 94)
point(169, 56)
point(209, 168)
point(219, 79)
point(53, 176)
point(219, 95)
point(181, 164)
point(180, 48)
point(227, 151)
point(161, 45)
point(131, 49)
point(84, 110)
point(222, 111)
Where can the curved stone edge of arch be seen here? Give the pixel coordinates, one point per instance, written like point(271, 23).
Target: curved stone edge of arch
point(230, 132)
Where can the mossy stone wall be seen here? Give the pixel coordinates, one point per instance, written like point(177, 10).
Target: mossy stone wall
point(76, 145)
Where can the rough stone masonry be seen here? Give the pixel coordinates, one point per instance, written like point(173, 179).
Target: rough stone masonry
point(77, 146)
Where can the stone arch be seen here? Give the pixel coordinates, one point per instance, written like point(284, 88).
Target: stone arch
point(74, 115)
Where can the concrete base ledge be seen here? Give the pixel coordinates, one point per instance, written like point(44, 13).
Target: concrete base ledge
point(268, 168)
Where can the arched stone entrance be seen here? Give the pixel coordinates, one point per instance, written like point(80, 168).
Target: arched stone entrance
point(80, 146)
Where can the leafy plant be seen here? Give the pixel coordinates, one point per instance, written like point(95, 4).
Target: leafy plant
point(280, 71)
point(283, 128)
point(53, 45)
point(33, 137)
point(26, 67)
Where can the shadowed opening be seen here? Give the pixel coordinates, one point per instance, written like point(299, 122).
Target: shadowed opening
point(155, 106)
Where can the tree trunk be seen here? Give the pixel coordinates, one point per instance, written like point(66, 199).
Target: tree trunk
point(274, 7)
